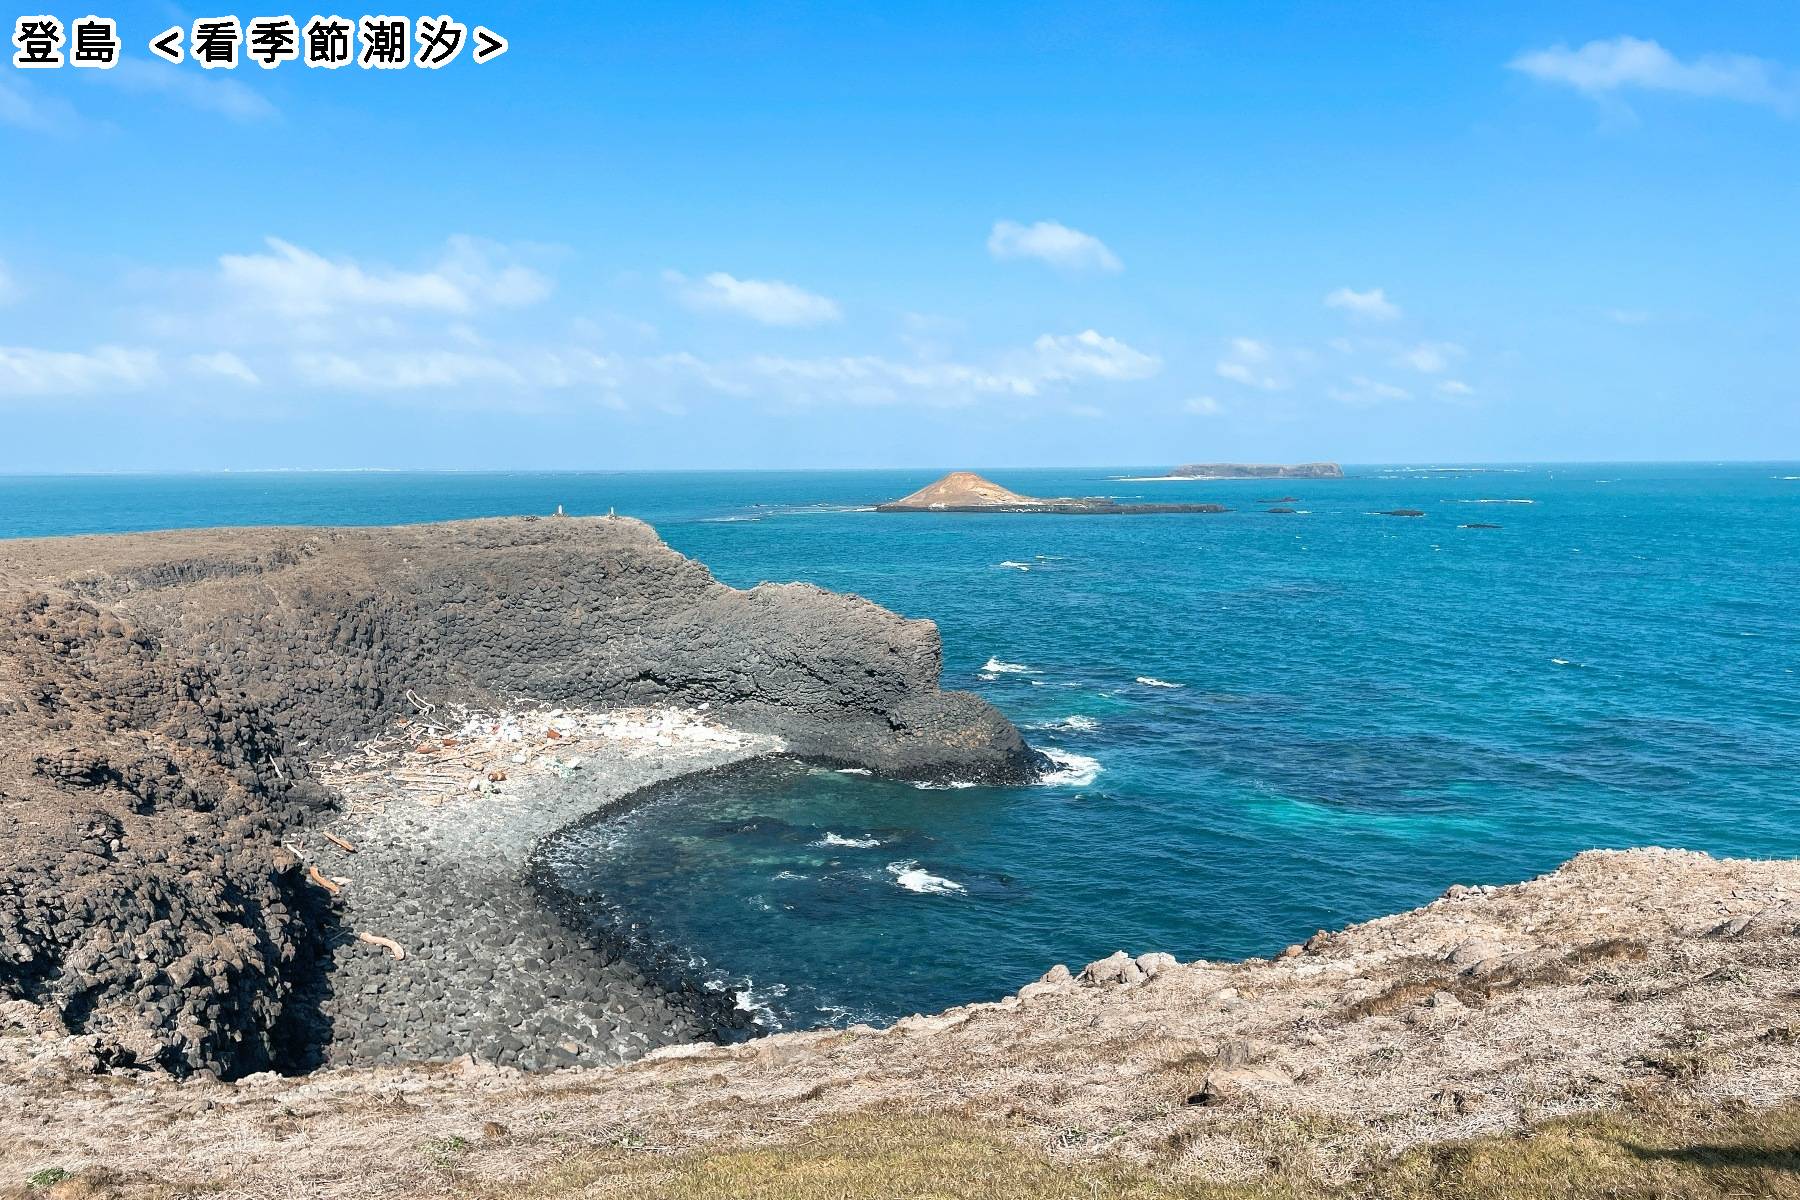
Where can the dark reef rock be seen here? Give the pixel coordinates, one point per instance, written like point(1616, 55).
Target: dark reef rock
point(1282, 511)
point(161, 694)
point(1400, 512)
point(1478, 525)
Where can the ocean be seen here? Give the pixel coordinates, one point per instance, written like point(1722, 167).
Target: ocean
point(1264, 724)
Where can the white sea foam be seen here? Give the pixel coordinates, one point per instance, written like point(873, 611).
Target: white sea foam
point(910, 875)
point(1152, 681)
point(759, 1003)
point(1017, 566)
point(1073, 724)
point(1072, 770)
point(1493, 502)
point(850, 843)
point(996, 667)
point(788, 875)
point(853, 771)
point(949, 786)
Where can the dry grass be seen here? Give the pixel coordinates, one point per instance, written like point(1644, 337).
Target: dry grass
point(1422, 979)
point(1664, 1153)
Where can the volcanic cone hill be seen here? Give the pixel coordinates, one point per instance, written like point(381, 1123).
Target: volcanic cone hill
point(163, 695)
point(967, 492)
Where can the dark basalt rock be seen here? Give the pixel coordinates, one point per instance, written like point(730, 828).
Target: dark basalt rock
point(1283, 511)
point(1401, 512)
point(1478, 525)
point(160, 695)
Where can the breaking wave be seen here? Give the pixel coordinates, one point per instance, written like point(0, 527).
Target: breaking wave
point(1072, 770)
point(910, 875)
point(1071, 724)
point(851, 843)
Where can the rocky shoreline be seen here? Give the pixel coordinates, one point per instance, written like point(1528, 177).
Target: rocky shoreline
point(1645, 980)
point(173, 707)
point(450, 944)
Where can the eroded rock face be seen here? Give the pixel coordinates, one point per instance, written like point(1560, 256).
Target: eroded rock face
point(161, 694)
point(142, 892)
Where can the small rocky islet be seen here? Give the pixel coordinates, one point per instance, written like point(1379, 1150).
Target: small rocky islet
point(967, 492)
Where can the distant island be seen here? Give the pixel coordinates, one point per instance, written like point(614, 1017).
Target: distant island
point(1317, 470)
point(967, 492)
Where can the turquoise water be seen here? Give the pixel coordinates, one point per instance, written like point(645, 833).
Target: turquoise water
point(1367, 708)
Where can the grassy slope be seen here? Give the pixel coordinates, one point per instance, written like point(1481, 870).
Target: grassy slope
point(1661, 1154)
point(1668, 1155)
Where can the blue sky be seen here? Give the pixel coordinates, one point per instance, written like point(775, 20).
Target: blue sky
point(786, 235)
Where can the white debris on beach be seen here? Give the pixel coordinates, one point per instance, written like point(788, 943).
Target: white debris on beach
point(476, 753)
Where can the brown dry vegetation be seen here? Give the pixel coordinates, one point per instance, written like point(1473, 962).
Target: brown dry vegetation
point(1625, 1026)
point(1664, 1151)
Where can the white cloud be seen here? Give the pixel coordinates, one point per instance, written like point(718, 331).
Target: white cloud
point(1454, 387)
point(413, 370)
point(1051, 361)
point(1248, 363)
point(1363, 392)
point(1054, 243)
point(1092, 354)
point(1430, 358)
point(227, 98)
point(1204, 406)
point(1372, 304)
point(301, 284)
point(769, 301)
point(22, 108)
point(224, 365)
point(1603, 67)
point(1627, 316)
point(9, 288)
point(27, 371)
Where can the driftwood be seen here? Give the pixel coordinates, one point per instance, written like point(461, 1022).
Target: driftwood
point(339, 842)
point(389, 944)
point(318, 877)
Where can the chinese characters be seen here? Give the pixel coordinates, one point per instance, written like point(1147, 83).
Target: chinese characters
point(373, 42)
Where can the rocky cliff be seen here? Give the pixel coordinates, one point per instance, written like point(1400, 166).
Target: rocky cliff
point(1649, 981)
point(162, 696)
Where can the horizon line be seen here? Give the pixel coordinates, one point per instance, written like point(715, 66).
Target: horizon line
point(147, 472)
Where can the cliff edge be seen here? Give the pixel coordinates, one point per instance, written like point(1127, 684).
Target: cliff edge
point(163, 696)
